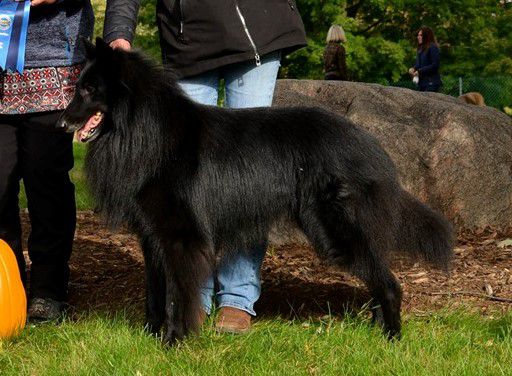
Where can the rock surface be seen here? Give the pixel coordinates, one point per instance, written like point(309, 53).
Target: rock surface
point(454, 156)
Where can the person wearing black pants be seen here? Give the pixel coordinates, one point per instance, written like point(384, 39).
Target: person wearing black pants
point(32, 149)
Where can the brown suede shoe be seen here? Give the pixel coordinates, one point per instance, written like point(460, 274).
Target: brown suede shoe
point(233, 320)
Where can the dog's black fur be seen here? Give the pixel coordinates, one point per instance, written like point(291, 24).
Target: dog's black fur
point(194, 181)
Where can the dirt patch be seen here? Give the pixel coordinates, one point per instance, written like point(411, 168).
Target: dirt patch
point(107, 274)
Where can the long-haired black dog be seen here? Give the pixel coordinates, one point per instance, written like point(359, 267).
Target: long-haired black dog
point(194, 181)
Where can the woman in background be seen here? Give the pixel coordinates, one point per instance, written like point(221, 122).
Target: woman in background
point(335, 66)
point(426, 69)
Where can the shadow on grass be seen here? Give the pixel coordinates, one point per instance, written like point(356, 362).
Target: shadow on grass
point(105, 279)
point(500, 328)
point(298, 299)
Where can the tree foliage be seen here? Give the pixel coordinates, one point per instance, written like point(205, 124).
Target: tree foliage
point(475, 37)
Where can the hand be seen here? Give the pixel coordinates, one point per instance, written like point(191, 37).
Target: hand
point(35, 3)
point(121, 44)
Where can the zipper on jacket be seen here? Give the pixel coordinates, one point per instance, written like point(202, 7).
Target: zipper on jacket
point(290, 3)
point(242, 19)
point(181, 34)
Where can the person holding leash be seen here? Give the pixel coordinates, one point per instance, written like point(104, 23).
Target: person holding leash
point(41, 60)
point(241, 43)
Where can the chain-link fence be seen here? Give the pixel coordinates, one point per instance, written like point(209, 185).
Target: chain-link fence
point(497, 91)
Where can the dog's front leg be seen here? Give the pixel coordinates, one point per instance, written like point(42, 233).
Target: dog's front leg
point(155, 285)
point(175, 326)
point(187, 266)
point(174, 297)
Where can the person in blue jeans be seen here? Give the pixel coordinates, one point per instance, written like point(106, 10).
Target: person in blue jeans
point(204, 42)
point(237, 278)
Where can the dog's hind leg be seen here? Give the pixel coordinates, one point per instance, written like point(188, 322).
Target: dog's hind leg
point(385, 291)
point(338, 238)
point(155, 285)
point(367, 264)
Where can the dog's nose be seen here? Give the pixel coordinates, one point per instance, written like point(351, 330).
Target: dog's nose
point(61, 124)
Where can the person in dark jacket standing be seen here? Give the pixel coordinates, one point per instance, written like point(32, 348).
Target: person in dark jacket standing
point(335, 64)
point(240, 42)
point(426, 69)
point(33, 150)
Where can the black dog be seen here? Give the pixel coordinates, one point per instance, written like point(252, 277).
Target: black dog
point(194, 181)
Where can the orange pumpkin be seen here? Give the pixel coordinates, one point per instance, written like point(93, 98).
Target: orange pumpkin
point(13, 302)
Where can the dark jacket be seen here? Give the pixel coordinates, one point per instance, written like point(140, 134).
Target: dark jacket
point(198, 36)
point(335, 65)
point(427, 64)
point(120, 20)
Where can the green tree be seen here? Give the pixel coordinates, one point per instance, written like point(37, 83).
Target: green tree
point(475, 36)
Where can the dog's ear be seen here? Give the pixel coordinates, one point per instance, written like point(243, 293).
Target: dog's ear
point(90, 49)
point(102, 47)
point(111, 61)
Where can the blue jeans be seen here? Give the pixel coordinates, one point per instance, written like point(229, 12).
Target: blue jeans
point(236, 283)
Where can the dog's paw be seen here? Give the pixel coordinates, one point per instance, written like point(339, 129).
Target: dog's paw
point(172, 335)
point(392, 331)
point(393, 334)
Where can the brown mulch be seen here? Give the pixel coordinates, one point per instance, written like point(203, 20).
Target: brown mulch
point(107, 274)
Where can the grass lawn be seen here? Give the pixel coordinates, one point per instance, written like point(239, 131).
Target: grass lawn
point(449, 343)
point(83, 199)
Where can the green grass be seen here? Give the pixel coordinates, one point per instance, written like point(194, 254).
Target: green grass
point(454, 343)
point(77, 174)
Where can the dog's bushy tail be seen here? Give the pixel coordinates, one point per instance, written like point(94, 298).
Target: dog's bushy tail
point(423, 233)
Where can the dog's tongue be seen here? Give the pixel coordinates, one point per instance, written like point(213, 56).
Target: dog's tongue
point(92, 123)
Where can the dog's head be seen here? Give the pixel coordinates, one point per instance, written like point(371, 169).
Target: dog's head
point(98, 86)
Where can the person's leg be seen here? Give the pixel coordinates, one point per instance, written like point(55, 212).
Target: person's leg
point(10, 227)
point(239, 276)
point(239, 279)
point(45, 159)
point(250, 86)
point(429, 87)
point(433, 88)
point(204, 89)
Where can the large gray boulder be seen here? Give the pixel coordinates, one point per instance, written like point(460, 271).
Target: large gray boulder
point(454, 156)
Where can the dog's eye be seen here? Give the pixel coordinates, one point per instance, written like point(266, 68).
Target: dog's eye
point(88, 89)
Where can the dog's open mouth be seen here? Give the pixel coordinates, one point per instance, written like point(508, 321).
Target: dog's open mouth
point(91, 129)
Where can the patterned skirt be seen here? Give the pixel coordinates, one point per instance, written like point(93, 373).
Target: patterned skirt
point(38, 89)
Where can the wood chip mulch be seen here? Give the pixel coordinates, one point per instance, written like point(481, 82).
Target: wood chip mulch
point(107, 274)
